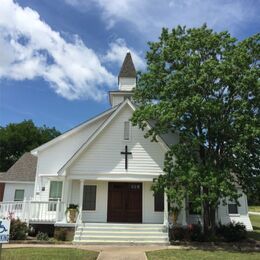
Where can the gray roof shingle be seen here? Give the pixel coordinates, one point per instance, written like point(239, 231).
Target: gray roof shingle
point(23, 170)
point(128, 68)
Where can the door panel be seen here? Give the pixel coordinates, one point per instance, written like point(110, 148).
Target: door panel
point(124, 202)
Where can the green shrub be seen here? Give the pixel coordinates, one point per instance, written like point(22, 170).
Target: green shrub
point(195, 232)
point(190, 233)
point(178, 233)
point(232, 232)
point(18, 230)
point(61, 234)
point(42, 236)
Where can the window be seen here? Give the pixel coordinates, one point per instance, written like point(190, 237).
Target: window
point(159, 201)
point(127, 130)
point(89, 197)
point(55, 193)
point(18, 195)
point(232, 208)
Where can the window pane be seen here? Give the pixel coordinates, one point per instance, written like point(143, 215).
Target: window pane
point(126, 130)
point(55, 190)
point(89, 197)
point(232, 209)
point(159, 201)
point(18, 195)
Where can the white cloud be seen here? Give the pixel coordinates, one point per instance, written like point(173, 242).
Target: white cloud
point(32, 49)
point(117, 51)
point(149, 16)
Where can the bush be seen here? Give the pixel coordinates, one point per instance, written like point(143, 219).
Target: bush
point(42, 236)
point(190, 233)
point(195, 233)
point(61, 234)
point(232, 232)
point(178, 233)
point(18, 230)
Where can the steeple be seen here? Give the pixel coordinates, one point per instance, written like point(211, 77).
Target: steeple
point(126, 82)
point(128, 67)
point(127, 74)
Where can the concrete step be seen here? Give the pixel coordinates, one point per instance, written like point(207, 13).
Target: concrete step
point(128, 229)
point(121, 233)
point(135, 225)
point(123, 238)
point(139, 242)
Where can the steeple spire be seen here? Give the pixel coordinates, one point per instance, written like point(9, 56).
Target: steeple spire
point(127, 74)
point(128, 67)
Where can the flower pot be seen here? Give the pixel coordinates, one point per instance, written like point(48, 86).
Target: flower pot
point(72, 215)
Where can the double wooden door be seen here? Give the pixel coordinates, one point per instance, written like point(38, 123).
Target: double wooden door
point(124, 202)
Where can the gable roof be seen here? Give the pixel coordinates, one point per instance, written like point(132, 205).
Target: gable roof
point(24, 170)
point(73, 130)
point(98, 131)
point(128, 68)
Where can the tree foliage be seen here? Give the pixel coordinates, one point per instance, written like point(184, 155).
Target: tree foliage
point(204, 86)
point(16, 139)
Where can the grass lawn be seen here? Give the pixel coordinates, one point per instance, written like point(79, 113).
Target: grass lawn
point(47, 253)
point(254, 208)
point(255, 220)
point(200, 255)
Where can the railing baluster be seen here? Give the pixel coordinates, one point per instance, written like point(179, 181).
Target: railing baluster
point(29, 210)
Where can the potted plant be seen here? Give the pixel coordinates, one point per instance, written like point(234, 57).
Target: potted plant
point(72, 212)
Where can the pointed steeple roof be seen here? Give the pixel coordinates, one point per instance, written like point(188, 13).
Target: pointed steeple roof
point(128, 68)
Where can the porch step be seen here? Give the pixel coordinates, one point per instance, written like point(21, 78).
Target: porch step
point(91, 233)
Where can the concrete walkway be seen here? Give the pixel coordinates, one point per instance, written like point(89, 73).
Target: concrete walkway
point(254, 213)
point(131, 252)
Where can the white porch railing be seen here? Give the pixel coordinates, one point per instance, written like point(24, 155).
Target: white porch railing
point(33, 211)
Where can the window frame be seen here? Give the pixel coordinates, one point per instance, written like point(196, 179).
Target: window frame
point(155, 204)
point(17, 190)
point(52, 207)
point(129, 131)
point(84, 205)
point(232, 213)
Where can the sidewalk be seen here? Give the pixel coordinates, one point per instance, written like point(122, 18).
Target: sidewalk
point(131, 252)
point(254, 213)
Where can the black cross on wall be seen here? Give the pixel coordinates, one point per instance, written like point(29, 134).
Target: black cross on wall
point(126, 153)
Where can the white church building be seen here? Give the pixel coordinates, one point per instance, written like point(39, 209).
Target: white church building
point(106, 167)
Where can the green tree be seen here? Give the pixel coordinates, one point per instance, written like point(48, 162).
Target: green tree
point(204, 86)
point(16, 139)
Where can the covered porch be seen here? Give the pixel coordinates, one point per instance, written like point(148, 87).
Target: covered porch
point(99, 201)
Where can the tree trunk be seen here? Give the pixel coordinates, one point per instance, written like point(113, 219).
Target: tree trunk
point(209, 219)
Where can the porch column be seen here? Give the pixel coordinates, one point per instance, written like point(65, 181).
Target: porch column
point(165, 212)
point(184, 217)
point(65, 197)
point(81, 196)
point(65, 192)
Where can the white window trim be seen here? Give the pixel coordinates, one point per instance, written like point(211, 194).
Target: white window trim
point(130, 132)
point(95, 210)
point(23, 194)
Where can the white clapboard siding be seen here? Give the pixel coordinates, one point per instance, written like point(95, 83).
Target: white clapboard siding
point(54, 157)
point(103, 155)
point(10, 188)
point(224, 217)
point(149, 215)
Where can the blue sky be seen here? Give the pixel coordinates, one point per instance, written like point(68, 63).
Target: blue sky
point(61, 57)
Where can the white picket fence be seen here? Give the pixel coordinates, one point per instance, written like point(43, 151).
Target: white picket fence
point(33, 211)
